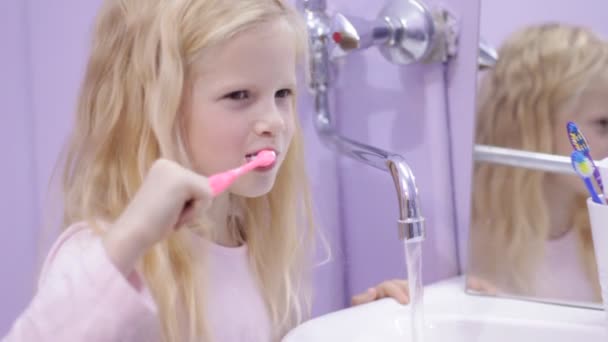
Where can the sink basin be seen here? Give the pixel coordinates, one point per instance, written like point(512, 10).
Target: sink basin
point(452, 315)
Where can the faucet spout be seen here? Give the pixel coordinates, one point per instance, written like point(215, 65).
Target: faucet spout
point(410, 222)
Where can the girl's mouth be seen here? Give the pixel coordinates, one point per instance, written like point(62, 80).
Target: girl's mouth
point(251, 156)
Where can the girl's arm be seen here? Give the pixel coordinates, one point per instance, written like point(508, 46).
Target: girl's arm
point(83, 297)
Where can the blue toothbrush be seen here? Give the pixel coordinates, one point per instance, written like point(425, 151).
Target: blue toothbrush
point(584, 168)
point(579, 143)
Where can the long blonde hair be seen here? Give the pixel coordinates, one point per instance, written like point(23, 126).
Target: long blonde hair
point(541, 70)
point(128, 116)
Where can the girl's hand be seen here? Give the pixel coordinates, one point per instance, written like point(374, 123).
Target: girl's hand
point(482, 286)
point(169, 196)
point(397, 289)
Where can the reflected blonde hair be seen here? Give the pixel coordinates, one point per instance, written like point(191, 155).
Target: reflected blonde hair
point(128, 116)
point(542, 71)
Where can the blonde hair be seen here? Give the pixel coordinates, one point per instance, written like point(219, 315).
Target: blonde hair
point(541, 71)
point(128, 116)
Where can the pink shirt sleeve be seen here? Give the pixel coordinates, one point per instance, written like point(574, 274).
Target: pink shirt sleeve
point(83, 297)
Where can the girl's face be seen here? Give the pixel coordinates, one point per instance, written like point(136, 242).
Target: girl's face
point(241, 102)
point(591, 117)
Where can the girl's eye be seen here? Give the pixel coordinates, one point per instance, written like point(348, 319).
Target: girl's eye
point(238, 95)
point(283, 93)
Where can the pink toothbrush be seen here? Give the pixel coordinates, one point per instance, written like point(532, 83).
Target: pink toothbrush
point(219, 182)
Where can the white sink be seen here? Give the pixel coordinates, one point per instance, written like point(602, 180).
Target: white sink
point(452, 315)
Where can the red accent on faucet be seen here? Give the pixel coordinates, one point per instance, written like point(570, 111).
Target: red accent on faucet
point(337, 36)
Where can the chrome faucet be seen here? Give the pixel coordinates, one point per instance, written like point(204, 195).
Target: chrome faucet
point(320, 29)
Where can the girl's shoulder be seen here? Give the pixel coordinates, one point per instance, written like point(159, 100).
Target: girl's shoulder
point(71, 247)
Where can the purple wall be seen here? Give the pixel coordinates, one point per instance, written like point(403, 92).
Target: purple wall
point(499, 18)
point(43, 51)
point(403, 109)
point(17, 177)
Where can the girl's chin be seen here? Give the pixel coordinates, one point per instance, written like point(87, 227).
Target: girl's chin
point(253, 189)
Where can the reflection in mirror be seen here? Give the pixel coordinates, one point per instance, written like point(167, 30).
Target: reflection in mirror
point(530, 234)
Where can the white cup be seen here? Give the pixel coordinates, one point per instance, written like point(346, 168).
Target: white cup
point(598, 215)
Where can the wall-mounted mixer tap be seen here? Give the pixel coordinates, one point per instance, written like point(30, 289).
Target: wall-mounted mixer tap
point(405, 32)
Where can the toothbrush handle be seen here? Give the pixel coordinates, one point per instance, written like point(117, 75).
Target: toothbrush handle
point(221, 181)
point(592, 191)
point(598, 178)
point(596, 172)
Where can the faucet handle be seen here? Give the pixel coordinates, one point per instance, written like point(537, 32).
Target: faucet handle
point(405, 32)
point(352, 34)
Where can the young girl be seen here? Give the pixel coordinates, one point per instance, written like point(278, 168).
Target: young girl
point(176, 91)
point(530, 231)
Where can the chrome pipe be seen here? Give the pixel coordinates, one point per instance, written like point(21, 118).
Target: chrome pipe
point(525, 159)
point(411, 221)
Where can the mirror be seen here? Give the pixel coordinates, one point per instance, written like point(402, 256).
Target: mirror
point(529, 230)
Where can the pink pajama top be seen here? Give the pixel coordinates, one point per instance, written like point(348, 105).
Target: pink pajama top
point(83, 297)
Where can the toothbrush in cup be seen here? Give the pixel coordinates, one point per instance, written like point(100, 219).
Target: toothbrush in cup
point(579, 143)
point(584, 168)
